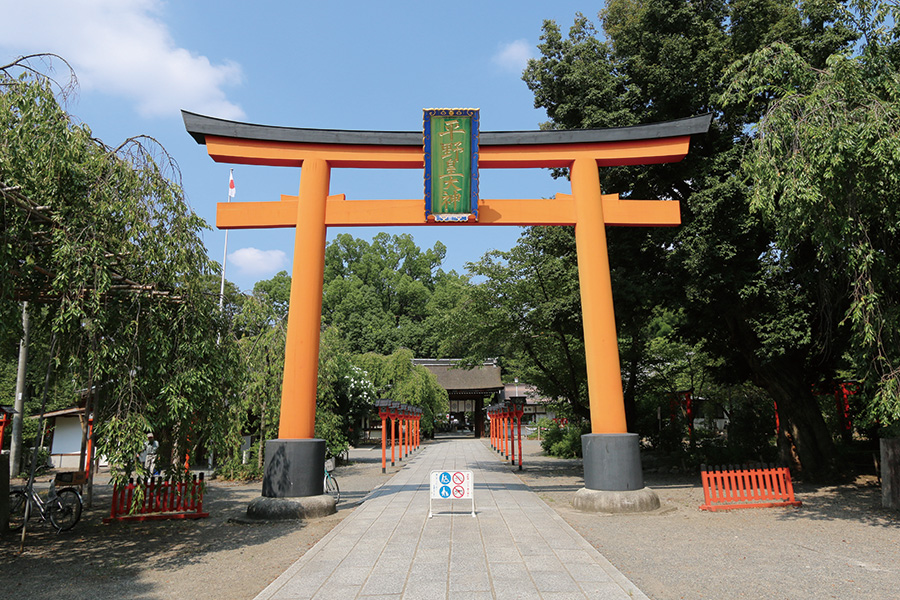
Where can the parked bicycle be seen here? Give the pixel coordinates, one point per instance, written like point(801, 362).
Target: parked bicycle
point(331, 484)
point(62, 507)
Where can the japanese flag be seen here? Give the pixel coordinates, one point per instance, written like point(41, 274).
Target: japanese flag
point(231, 184)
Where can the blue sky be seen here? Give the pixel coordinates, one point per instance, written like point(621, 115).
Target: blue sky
point(333, 65)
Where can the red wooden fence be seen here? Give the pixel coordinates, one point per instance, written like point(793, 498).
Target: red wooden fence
point(730, 487)
point(163, 499)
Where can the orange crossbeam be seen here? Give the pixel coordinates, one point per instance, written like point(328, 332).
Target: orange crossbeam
point(341, 212)
point(291, 154)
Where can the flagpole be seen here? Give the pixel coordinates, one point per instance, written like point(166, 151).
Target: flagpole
point(225, 253)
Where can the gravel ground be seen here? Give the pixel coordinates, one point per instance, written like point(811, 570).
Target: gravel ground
point(840, 544)
point(214, 558)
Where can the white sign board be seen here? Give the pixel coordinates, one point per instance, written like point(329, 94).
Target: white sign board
point(451, 485)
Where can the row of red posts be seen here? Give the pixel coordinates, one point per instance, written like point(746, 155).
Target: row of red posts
point(506, 426)
point(405, 429)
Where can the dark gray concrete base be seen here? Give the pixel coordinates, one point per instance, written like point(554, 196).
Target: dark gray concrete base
point(294, 468)
point(612, 462)
point(286, 509)
point(632, 501)
point(613, 479)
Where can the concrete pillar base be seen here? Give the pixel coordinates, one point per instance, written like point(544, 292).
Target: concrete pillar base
point(612, 462)
point(613, 479)
point(284, 509)
point(631, 501)
point(294, 468)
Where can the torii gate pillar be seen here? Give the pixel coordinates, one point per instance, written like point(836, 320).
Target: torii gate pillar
point(292, 461)
point(301, 354)
point(609, 485)
point(295, 462)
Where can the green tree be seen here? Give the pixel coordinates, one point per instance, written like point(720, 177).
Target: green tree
point(345, 394)
point(665, 59)
point(348, 382)
point(276, 293)
point(388, 294)
point(260, 329)
point(824, 165)
point(528, 310)
point(397, 378)
point(103, 236)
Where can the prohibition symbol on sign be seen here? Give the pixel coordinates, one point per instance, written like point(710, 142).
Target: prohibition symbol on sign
point(452, 486)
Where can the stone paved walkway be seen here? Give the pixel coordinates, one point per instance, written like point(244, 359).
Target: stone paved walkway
point(515, 547)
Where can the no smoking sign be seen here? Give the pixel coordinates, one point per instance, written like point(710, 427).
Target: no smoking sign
point(451, 485)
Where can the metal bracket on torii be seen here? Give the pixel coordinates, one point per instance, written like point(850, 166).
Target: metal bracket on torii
point(314, 209)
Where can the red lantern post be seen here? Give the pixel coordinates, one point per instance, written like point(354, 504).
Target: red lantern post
point(90, 447)
point(490, 414)
point(520, 410)
point(418, 428)
point(504, 423)
point(384, 407)
point(511, 411)
point(395, 406)
point(404, 431)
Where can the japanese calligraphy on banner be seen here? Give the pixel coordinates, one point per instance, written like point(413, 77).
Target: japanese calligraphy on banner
point(451, 164)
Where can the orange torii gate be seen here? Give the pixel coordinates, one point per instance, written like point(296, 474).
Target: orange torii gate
point(314, 209)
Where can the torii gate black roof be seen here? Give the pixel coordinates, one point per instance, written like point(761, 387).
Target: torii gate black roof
point(200, 126)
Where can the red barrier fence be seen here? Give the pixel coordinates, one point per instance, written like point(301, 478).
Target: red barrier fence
point(730, 487)
point(163, 499)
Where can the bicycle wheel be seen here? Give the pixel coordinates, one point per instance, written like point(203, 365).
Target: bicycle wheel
point(331, 487)
point(18, 500)
point(65, 510)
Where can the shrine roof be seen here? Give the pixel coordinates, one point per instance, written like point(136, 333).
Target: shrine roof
point(453, 377)
point(200, 126)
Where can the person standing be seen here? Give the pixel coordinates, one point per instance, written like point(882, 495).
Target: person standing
point(150, 451)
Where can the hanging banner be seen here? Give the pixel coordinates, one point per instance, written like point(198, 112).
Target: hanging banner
point(451, 164)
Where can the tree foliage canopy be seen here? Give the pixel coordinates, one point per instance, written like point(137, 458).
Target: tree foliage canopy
point(388, 294)
point(764, 302)
point(823, 167)
point(527, 309)
point(104, 237)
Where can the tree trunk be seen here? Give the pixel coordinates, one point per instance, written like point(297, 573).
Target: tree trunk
point(630, 394)
point(262, 436)
point(15, 446)
point(890, 473)
point(804, 441)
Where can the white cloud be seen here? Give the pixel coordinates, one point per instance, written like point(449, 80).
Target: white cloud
point(122, 48)
point(252, 261)
point(513, 56)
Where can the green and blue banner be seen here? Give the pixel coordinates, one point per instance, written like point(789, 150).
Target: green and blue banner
point(451, 164)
